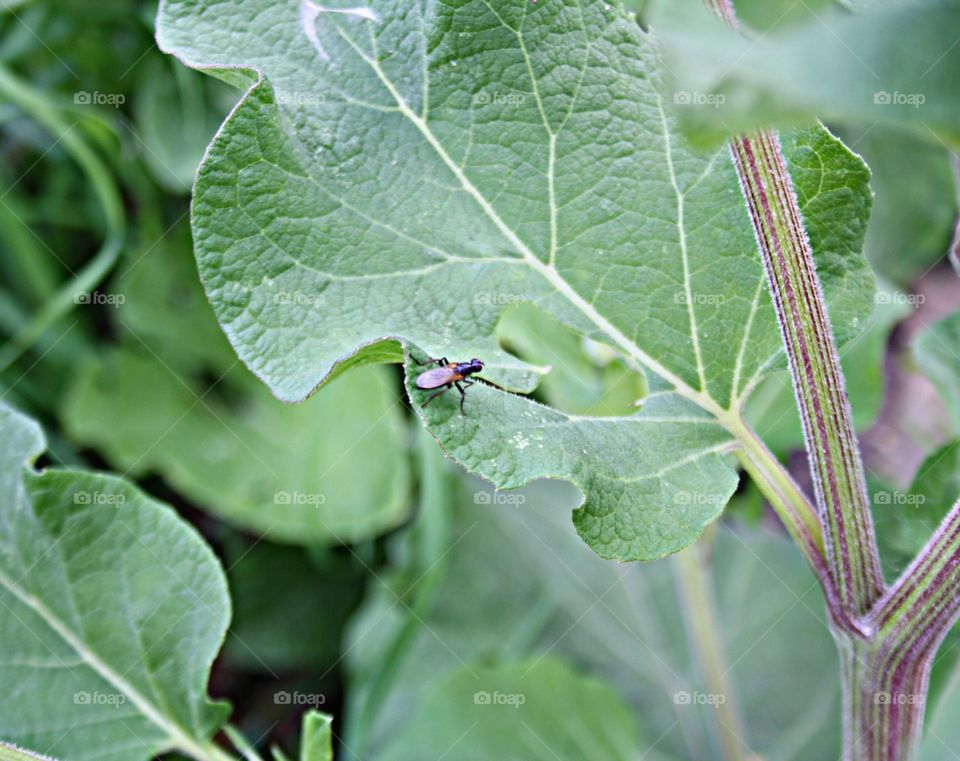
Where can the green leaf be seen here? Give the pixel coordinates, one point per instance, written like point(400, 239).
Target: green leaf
point(218, 436)
point(283, 472)
point(514, 582)
point(937, 351)
point(174, 121)
point(273, 585)
point(907, 518)
point(645, 502)
point(316, 740)
point(401, 172)
point(114, 609)
point(582, 377)
point(915, 200)
point(493, 712)
point(727, 83)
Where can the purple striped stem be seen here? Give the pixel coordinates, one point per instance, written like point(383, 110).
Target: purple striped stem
point(887, 638)
point(835, 464)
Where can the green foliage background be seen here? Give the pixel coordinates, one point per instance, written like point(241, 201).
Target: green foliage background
point(326, 555)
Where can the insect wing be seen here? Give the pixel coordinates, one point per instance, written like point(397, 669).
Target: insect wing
point(438, 376)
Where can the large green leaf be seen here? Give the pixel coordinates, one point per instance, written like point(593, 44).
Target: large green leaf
point(494, 712)
point(113, 610)
point(404, 170)
point(893, 63)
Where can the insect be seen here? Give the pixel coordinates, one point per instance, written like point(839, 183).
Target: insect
point(447, 375)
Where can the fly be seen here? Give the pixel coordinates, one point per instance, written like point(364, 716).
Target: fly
point(445, 376)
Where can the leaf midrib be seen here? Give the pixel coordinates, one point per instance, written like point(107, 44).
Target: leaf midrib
point(178, 735)
point(546, 270)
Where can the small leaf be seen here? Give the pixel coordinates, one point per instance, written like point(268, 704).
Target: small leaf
point(907, 518)
point(575, 381)
point(114, 611)
point(316, 737)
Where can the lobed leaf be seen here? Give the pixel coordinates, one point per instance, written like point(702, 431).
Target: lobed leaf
point(401, 171)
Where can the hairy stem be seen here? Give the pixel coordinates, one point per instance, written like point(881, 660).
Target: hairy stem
point(887, 639)
point(835, 463)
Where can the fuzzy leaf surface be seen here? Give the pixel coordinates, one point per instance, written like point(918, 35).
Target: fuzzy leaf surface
point(402, 171)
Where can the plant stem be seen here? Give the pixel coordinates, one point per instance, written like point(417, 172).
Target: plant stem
point(887, 639)
point(884, 696)
point(835, 463)
point(692, 572)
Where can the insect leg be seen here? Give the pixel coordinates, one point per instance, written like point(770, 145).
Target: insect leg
point(443, 390)
point(442, 361)
point(463, 394)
